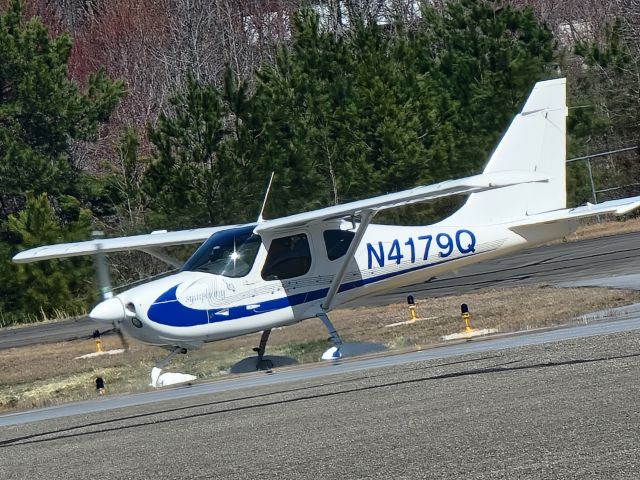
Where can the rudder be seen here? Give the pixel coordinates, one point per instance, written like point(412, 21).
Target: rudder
point(535, 141)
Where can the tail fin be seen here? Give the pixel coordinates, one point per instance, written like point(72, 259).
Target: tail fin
point(534, 142)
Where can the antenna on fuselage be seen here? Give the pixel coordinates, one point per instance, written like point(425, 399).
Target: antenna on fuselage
point(264, 202)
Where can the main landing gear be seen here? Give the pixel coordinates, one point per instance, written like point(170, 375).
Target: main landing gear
point(334, 352)
point(344, 350)
point(261, 362)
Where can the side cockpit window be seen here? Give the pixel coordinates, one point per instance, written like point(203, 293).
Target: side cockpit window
point(288, 257)
point(337, 242)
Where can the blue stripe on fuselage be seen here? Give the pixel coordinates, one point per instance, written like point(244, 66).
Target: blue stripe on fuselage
point(174, 314)
point(167, 309)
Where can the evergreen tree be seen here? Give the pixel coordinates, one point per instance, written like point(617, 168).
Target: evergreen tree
point(334, 117)
point(56, 286)
point(483, 61)
point(41, 113)
point(120, 194)
point(340, 117)
point(41, 110)
point(194, 178)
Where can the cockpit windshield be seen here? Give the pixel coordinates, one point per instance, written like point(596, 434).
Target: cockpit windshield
point(230, 253)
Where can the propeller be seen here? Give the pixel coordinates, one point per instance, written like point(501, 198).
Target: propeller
point(110, 308)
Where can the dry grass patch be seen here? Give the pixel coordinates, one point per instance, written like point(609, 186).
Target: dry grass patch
point(507, 310)
point(605, 228)
point(48, 374)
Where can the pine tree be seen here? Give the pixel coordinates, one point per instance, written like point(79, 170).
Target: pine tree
point(41, 110)
point(378, 109)
point(194, 179)
point(42, 113)
point(483, 61)
point(44, 289)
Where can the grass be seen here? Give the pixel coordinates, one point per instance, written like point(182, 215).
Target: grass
point(14, 320)
point(48, 374)
point(604, 228)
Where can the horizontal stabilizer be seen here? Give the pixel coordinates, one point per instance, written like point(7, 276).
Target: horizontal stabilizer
point(613, 207)
point(120, 244)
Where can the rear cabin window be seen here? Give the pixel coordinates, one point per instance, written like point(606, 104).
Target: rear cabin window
point(337, 242)
point(288, 257)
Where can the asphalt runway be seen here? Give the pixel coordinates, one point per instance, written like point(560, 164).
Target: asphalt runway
point(552, 264)
point(565, 409)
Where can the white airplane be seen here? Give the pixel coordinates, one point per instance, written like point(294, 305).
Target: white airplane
point(259, 276)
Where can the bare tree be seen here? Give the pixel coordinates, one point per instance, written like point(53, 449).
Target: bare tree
point(572, 20)
point(207, 35)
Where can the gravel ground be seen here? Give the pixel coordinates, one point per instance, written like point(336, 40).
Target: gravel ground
point(563, 410)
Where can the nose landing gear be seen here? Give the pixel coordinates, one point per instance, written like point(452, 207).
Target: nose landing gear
point(159, 379)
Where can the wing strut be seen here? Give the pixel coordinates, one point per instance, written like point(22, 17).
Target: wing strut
point(163, 257)
point(365, 218)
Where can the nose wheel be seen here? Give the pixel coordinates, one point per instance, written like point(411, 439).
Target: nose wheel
point(159, 379)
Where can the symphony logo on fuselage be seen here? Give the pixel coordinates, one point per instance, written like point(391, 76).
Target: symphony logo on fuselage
point(206, 293)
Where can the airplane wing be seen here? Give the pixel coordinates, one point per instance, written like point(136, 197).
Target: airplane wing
point(477, 183)
point(150, 241)
point(106, 245)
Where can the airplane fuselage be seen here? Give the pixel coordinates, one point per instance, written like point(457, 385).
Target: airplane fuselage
point(195, 306)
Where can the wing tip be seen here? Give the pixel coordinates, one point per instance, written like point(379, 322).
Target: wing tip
point(23, 257)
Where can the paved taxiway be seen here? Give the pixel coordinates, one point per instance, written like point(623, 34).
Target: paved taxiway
point(512, 407)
